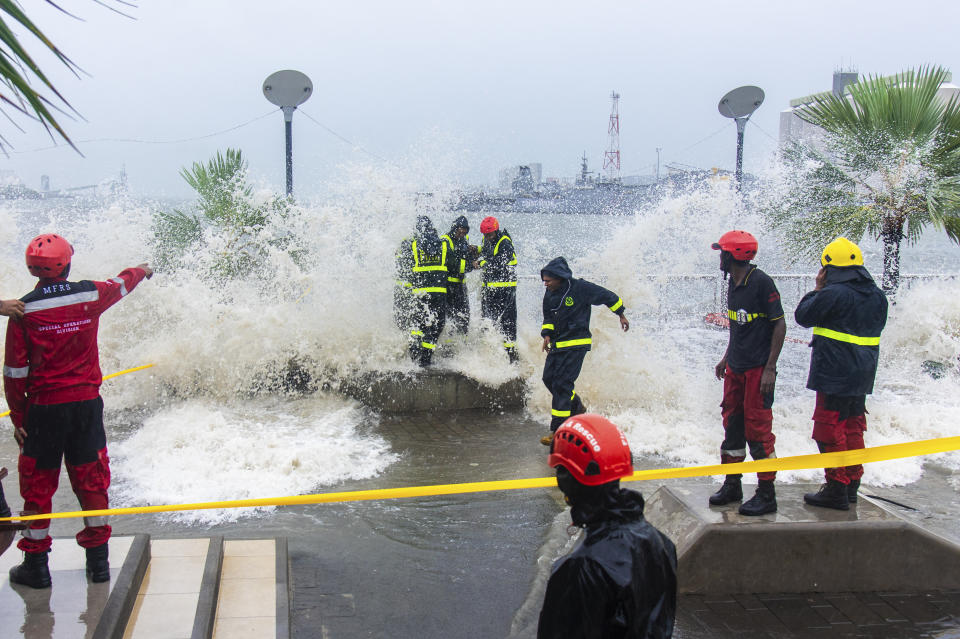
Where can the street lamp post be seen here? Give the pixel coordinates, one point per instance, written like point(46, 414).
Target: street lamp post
point(740, 104)
point(288, 90)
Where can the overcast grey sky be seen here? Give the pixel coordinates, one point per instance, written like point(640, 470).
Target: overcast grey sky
point(448, 89)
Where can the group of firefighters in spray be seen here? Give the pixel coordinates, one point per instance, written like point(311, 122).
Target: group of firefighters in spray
point(621, 580)
point(431, 284)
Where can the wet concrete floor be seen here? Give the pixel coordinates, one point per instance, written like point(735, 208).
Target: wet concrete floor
point(473, 566)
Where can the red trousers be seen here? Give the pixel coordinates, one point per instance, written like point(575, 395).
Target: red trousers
point(839, 424)
point(71, 431)
point(747, 419)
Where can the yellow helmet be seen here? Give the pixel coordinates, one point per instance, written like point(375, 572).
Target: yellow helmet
point(841, 252)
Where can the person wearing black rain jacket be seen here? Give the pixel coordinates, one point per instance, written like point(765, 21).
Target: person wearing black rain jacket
point(567, 303)
point(621, 579)
point(498, 292)
point(460, 258)
point(847, 312)
point(429, 290)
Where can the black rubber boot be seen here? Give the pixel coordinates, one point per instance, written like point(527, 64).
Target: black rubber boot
point(852, 489)
point(98, 566)
point(832, 494)
point(512, 355)
point(730, 491)
point(763, 502)
point(33, 571)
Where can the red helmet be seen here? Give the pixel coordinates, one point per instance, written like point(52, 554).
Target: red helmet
point(742, 245)
point(489, 225)
point(592, 448)
point(48, 254)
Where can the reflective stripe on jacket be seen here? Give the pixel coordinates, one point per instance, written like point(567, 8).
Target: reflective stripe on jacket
point(847, 316)
point(498, 259)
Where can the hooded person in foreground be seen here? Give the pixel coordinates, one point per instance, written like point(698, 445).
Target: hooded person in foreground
point(847, 312)
point(621, 579)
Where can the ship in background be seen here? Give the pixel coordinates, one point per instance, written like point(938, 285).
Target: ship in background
point(523, 189)
point(13, 188)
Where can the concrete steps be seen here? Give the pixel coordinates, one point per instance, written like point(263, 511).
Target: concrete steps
point(199, 588)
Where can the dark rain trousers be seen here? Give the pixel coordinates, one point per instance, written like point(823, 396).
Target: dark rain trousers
point(458, 307)
point(74, 431)
point(499, 304)
point(427, 321)
point(838, 424)
point(747, 419)
point(560, 373)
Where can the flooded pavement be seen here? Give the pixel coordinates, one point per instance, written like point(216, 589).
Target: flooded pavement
point(474, 566)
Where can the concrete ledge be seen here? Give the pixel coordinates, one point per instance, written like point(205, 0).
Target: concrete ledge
point(800, 548)
point(206, 614)
point(123, 594)
point(431, 389)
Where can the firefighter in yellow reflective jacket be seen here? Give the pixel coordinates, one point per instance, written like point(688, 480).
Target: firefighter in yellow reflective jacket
point(428, 278)
point(567, 302)
point(460, 258)
point(498, 295)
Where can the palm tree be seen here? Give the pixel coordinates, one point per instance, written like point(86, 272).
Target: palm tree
point(225, 207)
point(887, 163)
point(18, 71)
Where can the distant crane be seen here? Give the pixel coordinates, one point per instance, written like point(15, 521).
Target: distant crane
point(611, 159)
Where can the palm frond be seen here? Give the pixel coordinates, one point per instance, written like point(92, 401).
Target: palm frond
point(18, 69)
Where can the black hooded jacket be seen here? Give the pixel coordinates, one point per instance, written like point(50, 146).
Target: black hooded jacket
point(620, 582)
point(422, 260)
point(847, 316)
point(566, 313)
point(498, 259)
point(459, 260)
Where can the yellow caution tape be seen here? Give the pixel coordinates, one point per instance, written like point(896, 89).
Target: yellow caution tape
point(800, 462)
point(110, 376)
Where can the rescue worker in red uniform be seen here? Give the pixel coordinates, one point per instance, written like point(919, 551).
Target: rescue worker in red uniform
point(498, 293)
point(621, 579)
point(567, 303)
point(460, 258)
point(51, 379)
point(748, 369)
point(847, 312)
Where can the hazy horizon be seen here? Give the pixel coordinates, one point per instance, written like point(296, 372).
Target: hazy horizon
point(430, 92)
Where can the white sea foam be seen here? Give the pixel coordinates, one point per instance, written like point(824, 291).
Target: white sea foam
point(198, 451)
point(213, 341)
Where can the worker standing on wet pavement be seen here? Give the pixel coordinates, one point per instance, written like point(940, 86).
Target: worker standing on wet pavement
point(428, 271)
point(460, 258)
point(621, 579)
point(51, 379)
point(566, 335)
point(847, 312)
point(498, 295)
point(748, 369)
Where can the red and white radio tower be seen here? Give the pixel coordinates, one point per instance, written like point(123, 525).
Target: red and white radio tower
point(611, 159)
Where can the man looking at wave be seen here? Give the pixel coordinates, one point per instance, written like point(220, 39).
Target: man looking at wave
point(51, 379)
point(748, 369)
